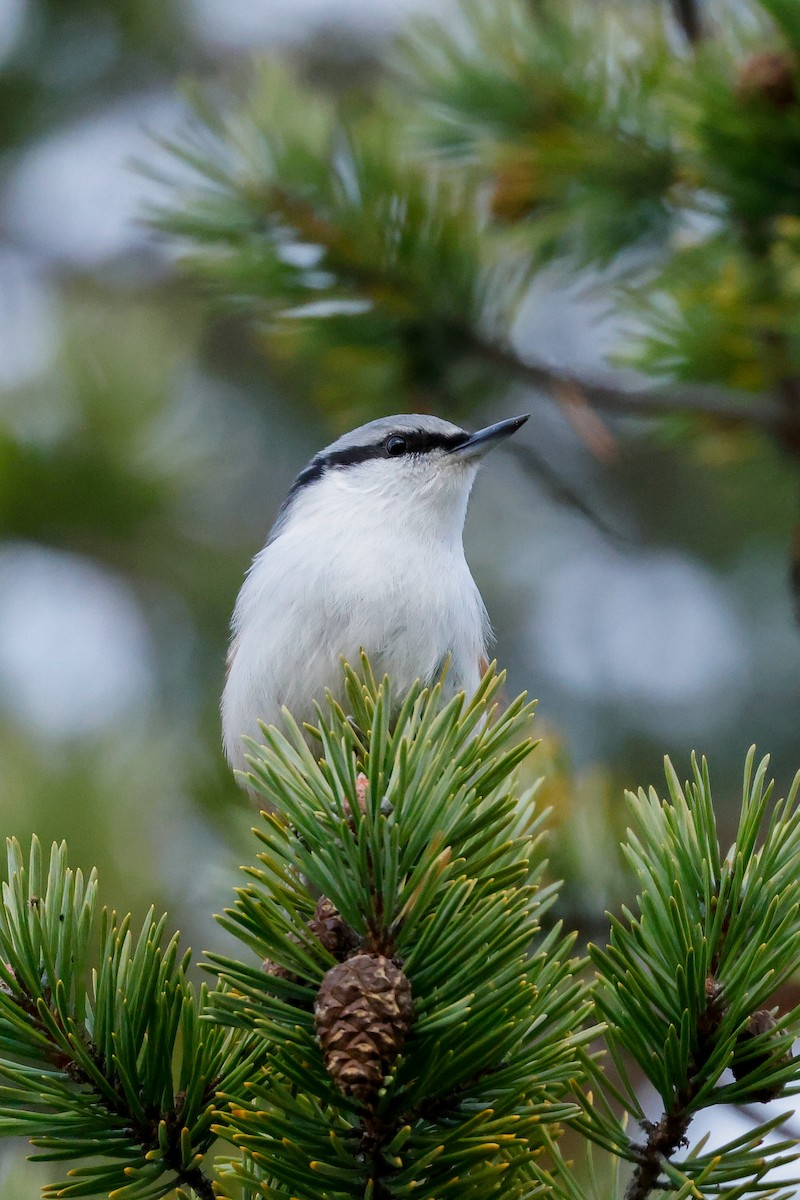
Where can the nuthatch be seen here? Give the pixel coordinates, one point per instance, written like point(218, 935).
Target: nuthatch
point(366, 553)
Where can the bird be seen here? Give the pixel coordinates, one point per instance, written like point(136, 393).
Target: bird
point(366, 554)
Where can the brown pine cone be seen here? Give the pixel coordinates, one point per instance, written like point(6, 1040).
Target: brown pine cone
point(328, 925)
point(770, 76)
point(363, 1012)
point(276, 970)
point(515, 192)
point(762, 1021)
point(330, 928)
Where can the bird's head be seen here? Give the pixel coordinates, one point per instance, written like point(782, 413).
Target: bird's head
point(418, 468)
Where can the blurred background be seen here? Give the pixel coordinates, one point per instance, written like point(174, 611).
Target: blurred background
point(586, 212)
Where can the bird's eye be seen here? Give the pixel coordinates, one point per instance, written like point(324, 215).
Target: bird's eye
point(395, 446)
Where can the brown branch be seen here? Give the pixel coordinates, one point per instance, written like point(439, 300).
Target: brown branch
point(663, 1140)
point(778, 414)
point(761, 412)
point(758, 411)
point(794, 570)
point(779, 360)
point(587, 422)
point(198, 1181)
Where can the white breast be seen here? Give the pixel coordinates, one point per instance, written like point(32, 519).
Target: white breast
point(407, 599)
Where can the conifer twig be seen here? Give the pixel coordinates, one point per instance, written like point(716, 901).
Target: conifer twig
point(425, 1057)
point(113, 1063)
point(113, 1101)
point(758, 411)
point(689, 976)
point(147, 1137)
point(669, 1134)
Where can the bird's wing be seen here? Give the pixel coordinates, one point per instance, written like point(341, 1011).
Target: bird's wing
point(231, 655)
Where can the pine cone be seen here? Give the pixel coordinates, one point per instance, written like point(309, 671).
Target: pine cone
point(762, 1021)
point(363, 1012)
point(515, 192)
point(770, 76)
point(276, 970)
point(328, 925)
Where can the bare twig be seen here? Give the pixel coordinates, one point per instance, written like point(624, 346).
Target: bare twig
point(794, 570)
point(587, 422)
point(536, 466)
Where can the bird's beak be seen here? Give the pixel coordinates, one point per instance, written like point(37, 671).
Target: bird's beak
point(480, 443)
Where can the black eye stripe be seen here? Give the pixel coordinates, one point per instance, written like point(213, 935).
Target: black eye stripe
point(417, 441)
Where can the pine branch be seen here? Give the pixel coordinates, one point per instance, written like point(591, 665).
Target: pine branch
point(669, 1134)
point(110, 1097)
point(435, 322)
point(374, 1051)
point(113, 1062)
point(339, 239)
point(461, 1050)
point(758, 411)
point(686, 979)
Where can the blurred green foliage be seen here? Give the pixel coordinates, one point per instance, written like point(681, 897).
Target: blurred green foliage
point(403, 232)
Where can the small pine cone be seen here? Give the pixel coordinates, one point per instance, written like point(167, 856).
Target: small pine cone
point(278, 972)
point(515, 193)
point(328, 925)
point(770, 76)
point(713, 990)
point(363, 1012)
point(762, 1021)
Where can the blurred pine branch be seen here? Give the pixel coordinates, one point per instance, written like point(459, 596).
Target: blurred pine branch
point(396, 240)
